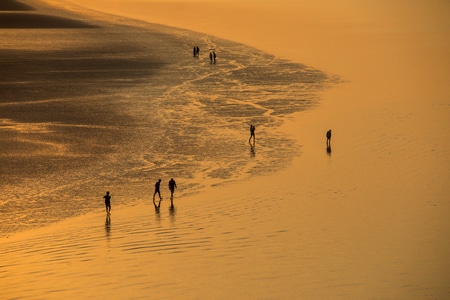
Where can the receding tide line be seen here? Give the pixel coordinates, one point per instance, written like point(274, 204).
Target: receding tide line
point(13, 5)
point(17, 20)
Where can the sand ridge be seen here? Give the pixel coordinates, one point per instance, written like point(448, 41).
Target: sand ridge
point(13, 5)
point(13, 16)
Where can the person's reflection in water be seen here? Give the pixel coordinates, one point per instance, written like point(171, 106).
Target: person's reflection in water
point(172, 210)
point(252, 150)
point(108, 226)
point(157, 210)
point(157, 206)
point(329, 150)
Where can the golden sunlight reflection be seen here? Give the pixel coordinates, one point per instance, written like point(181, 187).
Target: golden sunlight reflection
point(287, 214)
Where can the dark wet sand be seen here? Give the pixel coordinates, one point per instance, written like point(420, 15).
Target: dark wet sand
point(12, 5)
point(23, 20)
point(21, 15)
point(114, 104)
point(66, 76)
point(59, 75)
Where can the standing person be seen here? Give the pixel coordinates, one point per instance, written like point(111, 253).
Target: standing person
point(329, 137)
point(172, 187)
point(214, 55)
point(210, 57)
point(157, 191)
point(196, 51)
point(107, 203)
point(252, 133)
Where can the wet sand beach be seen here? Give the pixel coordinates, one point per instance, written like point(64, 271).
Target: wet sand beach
point(286, 218)
point(58, 109)
point(112, 106)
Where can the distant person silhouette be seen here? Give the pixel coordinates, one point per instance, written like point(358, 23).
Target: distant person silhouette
point(329, 137)
point(157, 191)
point(252, 133)
point(210, 57)
point(214, 56)
point(196, 50)
point(107, 203)
point(172, 187)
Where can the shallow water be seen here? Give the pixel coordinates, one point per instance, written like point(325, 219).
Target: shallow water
point(158, 113)
point(366, 221)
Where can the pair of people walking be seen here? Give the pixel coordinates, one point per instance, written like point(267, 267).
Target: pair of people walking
point(196, 51)
point(172, 187)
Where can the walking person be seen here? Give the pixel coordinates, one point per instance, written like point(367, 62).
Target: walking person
point(157, 191)
point(329, 138)
point(172, 187)
point(196, 51)
point(107, 203)
point(252, 133)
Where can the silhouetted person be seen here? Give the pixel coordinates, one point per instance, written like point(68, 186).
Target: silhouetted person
point(107, 203)
point(210, 57)
point(196, 50)
point(329, 137)
point(252, 133)
point(214, 56)
point(157, 191)
point(172, 187)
